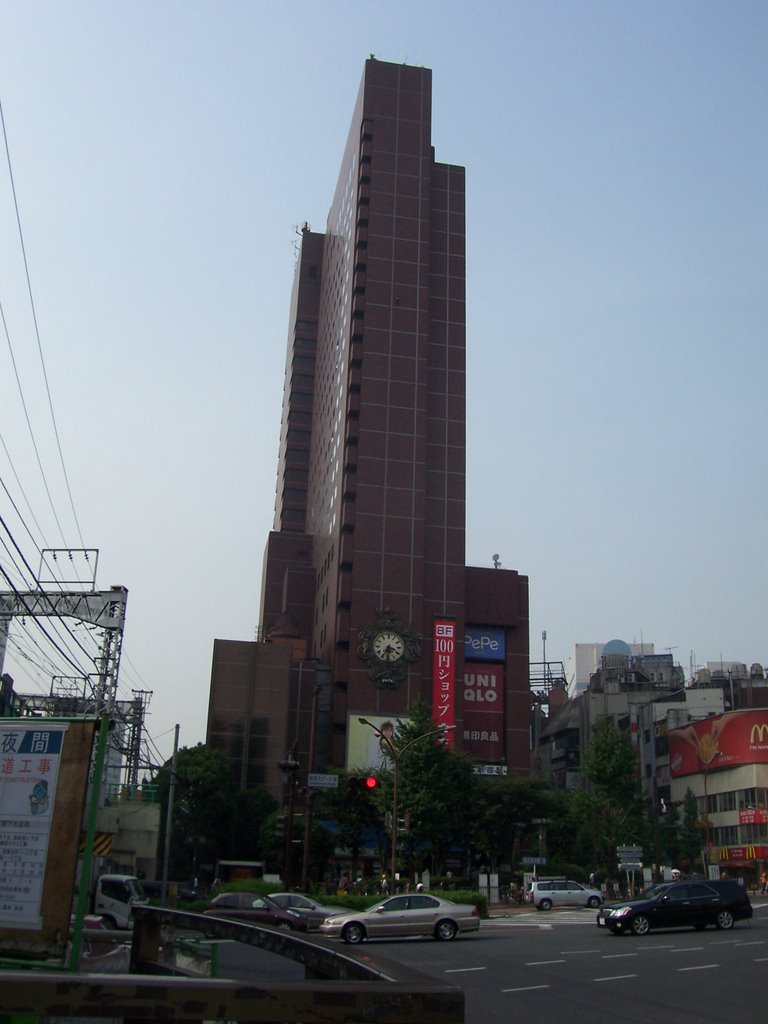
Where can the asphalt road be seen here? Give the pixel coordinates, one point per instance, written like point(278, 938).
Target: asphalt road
point(559, 967)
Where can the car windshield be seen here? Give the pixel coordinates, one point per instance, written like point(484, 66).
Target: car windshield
point(653, 892)
point(135, 890)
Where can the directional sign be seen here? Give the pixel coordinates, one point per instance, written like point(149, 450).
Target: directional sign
point(533, 860)
point(629, 852)
point(636, 866)
point(321, 780)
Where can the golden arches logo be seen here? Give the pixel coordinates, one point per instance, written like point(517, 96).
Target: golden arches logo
point(759, 733)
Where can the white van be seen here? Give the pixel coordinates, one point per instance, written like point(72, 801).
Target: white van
point(546, 893)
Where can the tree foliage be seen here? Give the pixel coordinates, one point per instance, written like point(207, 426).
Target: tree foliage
point(211, 818)
point(617, 811)
point(691, 832)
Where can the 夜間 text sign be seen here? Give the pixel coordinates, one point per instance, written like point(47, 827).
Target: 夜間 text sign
point(30, 753)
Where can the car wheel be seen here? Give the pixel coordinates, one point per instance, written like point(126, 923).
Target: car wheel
point(593, 901)
point(545, 904)
point(445, 930)
point(641, 925)
point(724, 919)
point(353, 934)
point(109, 922)
point(285, 927)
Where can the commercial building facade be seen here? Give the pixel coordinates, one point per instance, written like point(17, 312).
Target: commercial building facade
point(364, 575)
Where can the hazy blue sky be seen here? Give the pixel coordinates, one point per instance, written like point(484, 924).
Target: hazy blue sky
point(164, 155)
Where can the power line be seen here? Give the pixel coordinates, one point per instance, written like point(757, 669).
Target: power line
point(37, 336)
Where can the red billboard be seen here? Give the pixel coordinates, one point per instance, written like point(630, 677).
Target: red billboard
point(723, 741)
point(444, 674)
point(483, 732)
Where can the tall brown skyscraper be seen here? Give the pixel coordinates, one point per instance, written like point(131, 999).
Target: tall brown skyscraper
point(364, 571)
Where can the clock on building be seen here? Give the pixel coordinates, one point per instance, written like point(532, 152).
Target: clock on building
point(388, 647)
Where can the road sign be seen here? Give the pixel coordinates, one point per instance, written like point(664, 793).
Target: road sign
point(637, 866)
point(321, 780)
point(533, 860)
point(629, 852)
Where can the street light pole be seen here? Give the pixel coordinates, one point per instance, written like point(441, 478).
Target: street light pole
point(396, 753)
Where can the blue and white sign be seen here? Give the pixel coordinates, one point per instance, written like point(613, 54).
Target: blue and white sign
point(483, 643)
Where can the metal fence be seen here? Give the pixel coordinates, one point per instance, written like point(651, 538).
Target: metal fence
point(338, 987)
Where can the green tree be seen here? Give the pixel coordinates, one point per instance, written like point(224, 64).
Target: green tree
point(611, 767)
point(205, 797)
point(670, 828)
point(505, 808)
point(252, 808)
point(435, 793)
point(354, 814)
point(691, 836)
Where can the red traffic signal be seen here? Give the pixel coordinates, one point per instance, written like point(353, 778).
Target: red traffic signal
point(366, 783)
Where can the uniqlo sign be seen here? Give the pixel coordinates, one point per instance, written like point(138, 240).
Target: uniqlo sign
point(444, 674)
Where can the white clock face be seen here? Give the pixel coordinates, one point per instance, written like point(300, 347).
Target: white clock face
point(388, 646)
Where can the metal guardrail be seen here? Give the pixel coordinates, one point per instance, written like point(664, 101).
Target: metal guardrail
point(338, 988)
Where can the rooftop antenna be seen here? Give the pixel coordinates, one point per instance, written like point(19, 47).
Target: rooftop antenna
point(496, 562)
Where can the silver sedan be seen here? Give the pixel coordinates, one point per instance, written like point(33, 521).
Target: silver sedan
point(401, 916)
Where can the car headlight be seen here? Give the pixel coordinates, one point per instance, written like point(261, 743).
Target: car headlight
point(622, 912)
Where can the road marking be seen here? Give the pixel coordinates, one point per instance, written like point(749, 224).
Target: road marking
point(574, 952)
point(761, 942)
point(616, 977)
point(525, 988)
point(652, 949)
point(617, 956)
point(463, 970)
point(760, 959)
point(688, 949)
point(543, 963)
point(701, 967)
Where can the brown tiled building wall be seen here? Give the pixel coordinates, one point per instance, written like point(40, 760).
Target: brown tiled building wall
point(370, 504)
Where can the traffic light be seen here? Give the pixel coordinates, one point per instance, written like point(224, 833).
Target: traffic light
point(362, 783)
point(280, 826)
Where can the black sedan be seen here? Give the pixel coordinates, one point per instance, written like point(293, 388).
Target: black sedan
point(693, 904)
point(252, 909)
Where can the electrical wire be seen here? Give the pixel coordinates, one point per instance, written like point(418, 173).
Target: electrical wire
point(20, 585)
point(47, 597)
point(37, 335)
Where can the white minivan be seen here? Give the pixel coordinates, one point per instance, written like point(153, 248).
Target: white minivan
point(546, 893)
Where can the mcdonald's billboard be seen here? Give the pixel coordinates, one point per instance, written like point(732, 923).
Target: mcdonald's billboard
point(723, 741)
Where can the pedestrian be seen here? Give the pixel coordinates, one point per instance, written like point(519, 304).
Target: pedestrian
point(763, 882)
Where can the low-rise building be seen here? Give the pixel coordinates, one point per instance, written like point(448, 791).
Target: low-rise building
point(723, 760)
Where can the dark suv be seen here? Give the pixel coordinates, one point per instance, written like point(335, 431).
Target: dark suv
point(694, 903)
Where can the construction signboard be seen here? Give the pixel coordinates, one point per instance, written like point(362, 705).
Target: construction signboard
point(44, 766)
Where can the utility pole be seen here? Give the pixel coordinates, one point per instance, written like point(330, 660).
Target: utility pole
point(289, 766)
point(169, 818)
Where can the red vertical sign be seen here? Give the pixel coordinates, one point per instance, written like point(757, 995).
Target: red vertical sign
point(444, 674)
